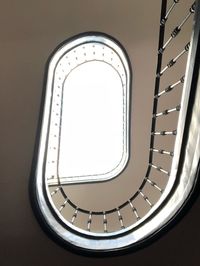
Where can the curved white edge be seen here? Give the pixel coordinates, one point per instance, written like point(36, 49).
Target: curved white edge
point(103, 39)
point(187, 179)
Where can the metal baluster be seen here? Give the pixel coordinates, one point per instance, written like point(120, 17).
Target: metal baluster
point(162, 151)
point(160, 169)
point(74, 216)
point(153, 184)
point(89, 221)
point(170, 87)
point(145, 198)
point(163, 21)
point(63, 205)
point(176, 31)
point(164, 133)
point(120, 219)
point(173, 61)
point(134, 210)
point(55, 191)
point(168, 111)
point(105, 222)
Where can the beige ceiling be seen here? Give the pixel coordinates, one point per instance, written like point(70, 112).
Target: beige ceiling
point(29, 32)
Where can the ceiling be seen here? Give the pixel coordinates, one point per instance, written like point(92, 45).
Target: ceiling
point(29, 31)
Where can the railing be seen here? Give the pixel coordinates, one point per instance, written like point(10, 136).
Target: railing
point(166, 152)
point(155, 133)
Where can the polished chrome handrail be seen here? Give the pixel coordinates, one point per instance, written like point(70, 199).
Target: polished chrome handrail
point(184, 170)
